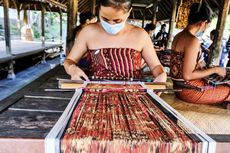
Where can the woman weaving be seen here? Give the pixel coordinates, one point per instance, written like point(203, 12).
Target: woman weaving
point(114, 46)
point(186, 69)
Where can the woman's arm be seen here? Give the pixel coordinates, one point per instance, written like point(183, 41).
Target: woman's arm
point(150, 56)
point(78, 50)
point(190, 61)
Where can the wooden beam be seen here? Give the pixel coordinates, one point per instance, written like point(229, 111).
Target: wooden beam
point(133, 14)
point(223, 13)
point(154, 12)
point(93, 6)
point(72, 9)
point(85, 7)
point(56, 3)
point(172, 23)
point(43, 24)
point(7, 26)
point(162, 11)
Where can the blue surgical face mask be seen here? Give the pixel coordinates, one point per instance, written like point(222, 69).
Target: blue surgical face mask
point(199, 34)
point(112, 28)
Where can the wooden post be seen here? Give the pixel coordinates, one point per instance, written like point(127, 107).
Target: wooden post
point(72, 10)
point(143, 18)
point(154, 10)
point(11, 74)
point(223, 13)
point(93, 6)
point(25, 17)
point(43, 25)
point(7, 26)
point(19, 22)
point(172, 24)
point(16, 5)
point(60, 14)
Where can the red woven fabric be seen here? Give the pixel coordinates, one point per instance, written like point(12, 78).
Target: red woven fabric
point(115, 63)
point(123, 122)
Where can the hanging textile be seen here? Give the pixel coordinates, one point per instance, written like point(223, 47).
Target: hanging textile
point(183, 12)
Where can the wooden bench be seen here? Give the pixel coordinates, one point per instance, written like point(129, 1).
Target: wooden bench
point(25, 49)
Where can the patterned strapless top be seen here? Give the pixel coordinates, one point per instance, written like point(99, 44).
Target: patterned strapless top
point(115, 63)
point(176, 65)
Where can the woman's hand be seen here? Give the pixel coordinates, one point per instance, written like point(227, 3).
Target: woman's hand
point(159, 73)
point(220, 71)
point(161, 78)
point(77, 74)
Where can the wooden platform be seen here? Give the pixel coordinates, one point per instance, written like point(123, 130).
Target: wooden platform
point(214, 120)
point(24, 48)
point(28, 115)
point(5, 57)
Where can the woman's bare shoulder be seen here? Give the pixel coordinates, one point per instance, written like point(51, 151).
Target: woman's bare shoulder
point(90, 29)
point(137, 31)
point(186, 37)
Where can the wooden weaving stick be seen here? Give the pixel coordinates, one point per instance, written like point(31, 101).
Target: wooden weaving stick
point(77, 84)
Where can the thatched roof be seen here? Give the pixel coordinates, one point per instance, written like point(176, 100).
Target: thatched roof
point(140, 7)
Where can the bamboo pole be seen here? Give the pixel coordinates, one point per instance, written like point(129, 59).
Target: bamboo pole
point(7, 26)
point(172, 24)
point(223, 13)
point(72, 10)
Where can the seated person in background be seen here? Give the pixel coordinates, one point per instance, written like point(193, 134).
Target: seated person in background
point(228, 50)
point(86, 18)
point(161, 37)
point(224, 54)
point(213, 36)
point(115, 47)
point(207, 48)
point(185, 68)
point(150, 28)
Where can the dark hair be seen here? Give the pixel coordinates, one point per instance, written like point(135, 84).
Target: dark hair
point(214, 33)
point(118, 4)
point(199, 12)
point(163, 26)
point(150, 26)
point(86, 16)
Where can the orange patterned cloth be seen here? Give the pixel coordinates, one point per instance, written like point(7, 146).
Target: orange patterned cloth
point(211, 95)
point(115, 63)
